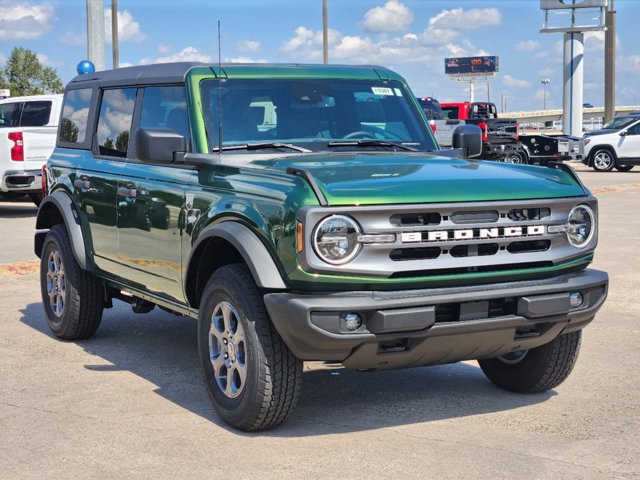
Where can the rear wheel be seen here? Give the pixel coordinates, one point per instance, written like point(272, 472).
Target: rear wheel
point(252, 378)
point(73, 298)
point(603, 160)
point(536, 370)
point(624, 168)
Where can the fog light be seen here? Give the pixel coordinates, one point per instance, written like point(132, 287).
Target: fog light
point(575, 299)
point(352, 321)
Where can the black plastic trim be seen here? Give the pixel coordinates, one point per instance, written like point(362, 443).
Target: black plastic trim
point(306, 174)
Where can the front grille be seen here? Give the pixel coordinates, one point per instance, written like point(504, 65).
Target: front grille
point(451, 238)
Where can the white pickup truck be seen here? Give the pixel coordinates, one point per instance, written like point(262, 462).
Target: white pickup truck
point(28, 128)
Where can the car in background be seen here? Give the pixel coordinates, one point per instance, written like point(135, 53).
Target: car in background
point(441, 127)
point(616, 145)
point(28, 130)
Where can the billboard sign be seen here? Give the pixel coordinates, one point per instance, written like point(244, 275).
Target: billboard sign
point(471, 65)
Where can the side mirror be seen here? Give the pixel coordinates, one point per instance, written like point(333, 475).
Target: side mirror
point(159, 145)
point(469, 139)
point(623, 133)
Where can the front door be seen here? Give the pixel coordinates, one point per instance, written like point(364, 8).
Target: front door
point(151, 199)
point(629, 144)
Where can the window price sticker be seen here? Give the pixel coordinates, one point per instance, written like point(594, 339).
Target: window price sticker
point(382, 91)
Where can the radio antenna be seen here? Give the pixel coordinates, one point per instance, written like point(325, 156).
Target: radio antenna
point(219, 92)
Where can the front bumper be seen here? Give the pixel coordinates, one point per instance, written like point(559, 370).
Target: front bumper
point(26, 181)
point(427, 327)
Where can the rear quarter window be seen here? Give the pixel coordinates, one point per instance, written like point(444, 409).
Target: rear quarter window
point(75, 115)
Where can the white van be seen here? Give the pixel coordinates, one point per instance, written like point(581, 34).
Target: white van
point(28, 128)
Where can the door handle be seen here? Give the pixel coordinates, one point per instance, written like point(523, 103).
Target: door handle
point(82, 183)
point(127, 192)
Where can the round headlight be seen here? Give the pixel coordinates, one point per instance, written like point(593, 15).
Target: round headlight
point(581, 226)
point(335, 239)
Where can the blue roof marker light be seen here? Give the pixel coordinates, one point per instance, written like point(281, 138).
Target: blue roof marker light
point(85, 67)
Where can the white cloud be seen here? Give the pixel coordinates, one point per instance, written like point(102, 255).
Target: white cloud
point(242, 59)
point(249, 46)
point(393, 16)
point(44, 59)
point(187, 54)
point(460, 19)
point(546, 72)
point(128, 28)
point(163, 48)
point(630, 63)
point(71, 38)
point(24, 21)
point(527, 46)
point(509, 81)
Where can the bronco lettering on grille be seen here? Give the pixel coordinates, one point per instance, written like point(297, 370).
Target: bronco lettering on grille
point(472, 234)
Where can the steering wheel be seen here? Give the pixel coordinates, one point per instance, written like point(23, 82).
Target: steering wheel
point(358, 134)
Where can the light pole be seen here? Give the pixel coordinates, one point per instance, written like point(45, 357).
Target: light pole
point(325, 33)
point(544, 82)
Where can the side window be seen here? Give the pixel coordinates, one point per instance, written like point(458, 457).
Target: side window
point(75, 114)
point(114, 122)
point(635, 130)
point(165, 107)
point(35, 114)
point(9, 114)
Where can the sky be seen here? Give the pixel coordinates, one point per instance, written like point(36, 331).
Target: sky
point(412, 37)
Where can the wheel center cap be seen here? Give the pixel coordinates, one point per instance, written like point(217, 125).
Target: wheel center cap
point(231, 350)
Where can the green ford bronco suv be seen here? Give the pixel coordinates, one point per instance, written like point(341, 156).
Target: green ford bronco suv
point(306, 213)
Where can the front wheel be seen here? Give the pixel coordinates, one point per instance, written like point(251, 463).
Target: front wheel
point(536, 370)
point(603, 160)
point(252, 378)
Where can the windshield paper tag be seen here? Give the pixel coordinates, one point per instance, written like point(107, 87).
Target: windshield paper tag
point(398, 92)
point(382, 91)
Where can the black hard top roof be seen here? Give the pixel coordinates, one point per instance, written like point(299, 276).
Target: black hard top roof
point(160, 73)
point(140, 74)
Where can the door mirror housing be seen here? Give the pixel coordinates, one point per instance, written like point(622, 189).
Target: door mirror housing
point(469, 139)
point(623, 133)
point(159, 145)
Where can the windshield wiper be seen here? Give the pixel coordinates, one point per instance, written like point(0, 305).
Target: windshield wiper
point(261, 146)
point(369, 143)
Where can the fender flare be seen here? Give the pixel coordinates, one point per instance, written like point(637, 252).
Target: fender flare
point(64, 204)
point(253, 251)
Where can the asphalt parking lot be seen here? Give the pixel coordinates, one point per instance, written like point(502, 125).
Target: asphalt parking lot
point(130, 402)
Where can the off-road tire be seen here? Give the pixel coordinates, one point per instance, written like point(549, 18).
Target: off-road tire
point(603, 160)
point(540, 369)
point(624, 168)
point(80, 293)
point(273, 375)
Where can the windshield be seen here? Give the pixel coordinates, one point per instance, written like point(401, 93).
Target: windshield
point(620, 122)
point(312, 114)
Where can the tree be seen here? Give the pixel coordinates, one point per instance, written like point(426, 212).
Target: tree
point(23, 74)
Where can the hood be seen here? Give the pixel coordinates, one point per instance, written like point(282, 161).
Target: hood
point(602, 131)
point(369, 179)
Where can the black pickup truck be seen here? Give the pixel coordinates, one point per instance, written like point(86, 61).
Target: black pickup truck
point(501, 139)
